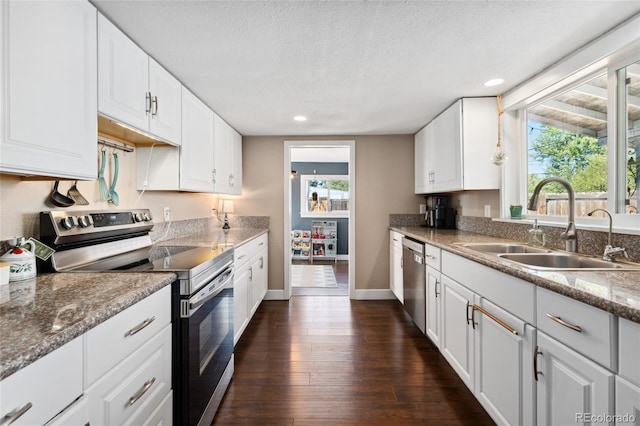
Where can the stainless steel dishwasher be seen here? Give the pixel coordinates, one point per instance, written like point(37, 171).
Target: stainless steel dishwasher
point(414, 281)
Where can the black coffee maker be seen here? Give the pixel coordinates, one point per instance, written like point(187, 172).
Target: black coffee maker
point(439, 214)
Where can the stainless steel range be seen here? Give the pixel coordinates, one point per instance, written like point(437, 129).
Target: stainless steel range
point(202, 296)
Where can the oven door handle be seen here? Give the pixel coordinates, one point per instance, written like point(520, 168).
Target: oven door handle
point(208, 293)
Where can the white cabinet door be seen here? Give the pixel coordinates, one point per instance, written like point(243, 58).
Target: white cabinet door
point(48, 87)
point(123, 89)
point(570, 386)
point(227, 157)
point(166, 104)
point(196, 151)
point(395, 270)
point(434, 297)
point(444, 149)
point(422, 173)
point(236, 162)
point(240, 302)
point(257, 281)
point(457, 335)
point(504, 382)
point(627, 402)
point(223, 156)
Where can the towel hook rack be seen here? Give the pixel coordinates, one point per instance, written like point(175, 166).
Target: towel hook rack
point(116, 145)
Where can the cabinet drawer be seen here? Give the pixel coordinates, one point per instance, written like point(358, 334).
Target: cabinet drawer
point(432, 256)
point(590, 331)
point(244, 252)
point(74, 415)
point(136, 387)
point(113, 340)
point(629, 338)
point(49, 384)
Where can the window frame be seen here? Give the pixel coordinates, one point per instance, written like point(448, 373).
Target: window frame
point(303, 197)
point(616, 125)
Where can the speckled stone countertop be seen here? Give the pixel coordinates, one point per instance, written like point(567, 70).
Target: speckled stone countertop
point(217, 237)
point(41, 314)
point(616, 291)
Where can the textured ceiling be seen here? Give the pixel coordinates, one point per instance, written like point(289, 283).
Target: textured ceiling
point(355, 67)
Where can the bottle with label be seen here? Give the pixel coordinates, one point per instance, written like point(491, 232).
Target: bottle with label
point(536, 236)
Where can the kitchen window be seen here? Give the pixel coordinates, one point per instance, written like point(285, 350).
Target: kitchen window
point(324, 196)
point(588, 134)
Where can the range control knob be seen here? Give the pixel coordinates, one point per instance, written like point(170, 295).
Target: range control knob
point(84, 221)
point(147, 217)
point(69, 222)
point(138, 217)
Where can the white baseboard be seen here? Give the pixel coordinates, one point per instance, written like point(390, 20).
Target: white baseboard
point(275, 295)
point(382, 294)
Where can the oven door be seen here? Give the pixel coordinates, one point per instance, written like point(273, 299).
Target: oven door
point(203, 351)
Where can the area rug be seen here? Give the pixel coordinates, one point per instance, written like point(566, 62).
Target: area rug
point(313, 276)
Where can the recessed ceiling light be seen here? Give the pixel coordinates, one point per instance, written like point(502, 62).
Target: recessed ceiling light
point(300, 118)
point(494, 82)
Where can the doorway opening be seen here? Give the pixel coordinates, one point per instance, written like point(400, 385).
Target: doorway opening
point(319, 210)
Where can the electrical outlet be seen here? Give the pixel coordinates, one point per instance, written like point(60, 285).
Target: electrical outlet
point(423, 208)
point(167, 214)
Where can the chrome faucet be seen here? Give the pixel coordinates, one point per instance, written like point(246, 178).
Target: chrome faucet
point(609, 250)
point(569, 235)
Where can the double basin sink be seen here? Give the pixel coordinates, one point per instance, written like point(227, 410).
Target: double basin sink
point(545, 259)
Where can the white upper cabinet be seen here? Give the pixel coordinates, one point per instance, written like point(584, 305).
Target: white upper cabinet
point(196, 152)
point(134, 89)
point(452, 153)
point(227, 158)
point(48, 89)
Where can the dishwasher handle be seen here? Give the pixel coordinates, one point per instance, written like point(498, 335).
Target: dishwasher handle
point(413, 245)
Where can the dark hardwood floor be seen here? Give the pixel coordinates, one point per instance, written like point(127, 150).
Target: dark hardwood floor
point(329, 360)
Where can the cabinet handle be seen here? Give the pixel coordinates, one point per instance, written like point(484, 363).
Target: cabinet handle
point(241, 257)
point(536, 373)
point(154, 103)
point(496, 319)
point(435, 288)
point(262, 262)
point(147, 108)
point(14, 415)
point(470, 319)
point(139, 327)
point(566, 324)
point(428, 256)
point(214, 175)
point(145, 388)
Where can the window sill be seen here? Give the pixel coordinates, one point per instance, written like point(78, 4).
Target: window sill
point(598, 225)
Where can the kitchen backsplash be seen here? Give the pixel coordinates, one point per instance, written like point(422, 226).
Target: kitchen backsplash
point(183, 228)
point(589, 242)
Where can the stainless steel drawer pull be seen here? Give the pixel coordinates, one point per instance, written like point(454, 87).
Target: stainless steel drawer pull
point(566, 324)
point(139, 327)
point(241, 257)
point(435, 288)
point(470, 318)
point(145, 388)
point(15, 415)
point(496, 319)
point(536, 373)
point(428, 256)
point(147, 108)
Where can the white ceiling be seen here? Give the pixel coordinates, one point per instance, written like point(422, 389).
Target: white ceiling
point(355, 67)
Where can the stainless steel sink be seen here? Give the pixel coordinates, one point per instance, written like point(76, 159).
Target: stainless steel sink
point(497, 248)
point(565, 261)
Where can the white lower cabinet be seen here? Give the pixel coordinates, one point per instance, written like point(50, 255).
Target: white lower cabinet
point(43, 389)
point(457, 335)
point(504, 383)
point(434, 299)
point(570, 387)
point(250, 282)
point(395, 265)
point(136, 387)
point(627, 402)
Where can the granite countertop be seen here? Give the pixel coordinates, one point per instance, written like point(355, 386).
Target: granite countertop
point(41, 314)
point(217, 237)
point(615, 291)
